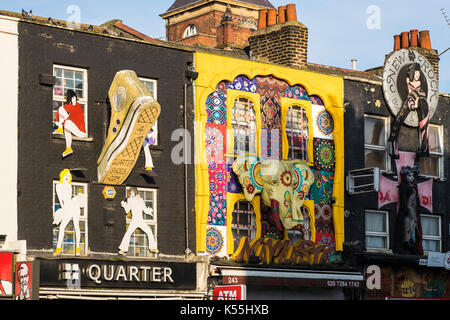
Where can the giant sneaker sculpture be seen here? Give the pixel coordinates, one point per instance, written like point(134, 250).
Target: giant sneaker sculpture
point(133, 113)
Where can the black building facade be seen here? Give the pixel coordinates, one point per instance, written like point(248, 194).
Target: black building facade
point(53, 60)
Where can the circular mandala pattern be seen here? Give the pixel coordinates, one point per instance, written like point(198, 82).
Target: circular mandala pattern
point(214, 241)
point(325, 123)
point(324, 157)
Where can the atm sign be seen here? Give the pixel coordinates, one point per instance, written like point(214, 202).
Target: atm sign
point(238, 292)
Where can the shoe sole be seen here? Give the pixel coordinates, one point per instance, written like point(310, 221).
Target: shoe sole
point(122, 153)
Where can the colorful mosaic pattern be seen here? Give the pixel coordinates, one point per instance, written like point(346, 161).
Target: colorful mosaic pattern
point(271, 87)
point(325, 122)
point(328, 240)
point(215, 143)
point(316, 100)
point(324, 218)
point(297, 92)
point(214, 241)
point(321, 190)
point(324, 158)
point(217, 178)
point(270, 113)
point(216, 108)
point(242, 83)
point(217, 210)
point(271, 146)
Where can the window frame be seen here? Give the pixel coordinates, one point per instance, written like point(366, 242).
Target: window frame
point(286, 105)
point(155, 96)
point(378, 147)
point(433, 238)
point(83, 218)
point(190, 31)
point(254, 98)
point(150, 222)
point(385, 234)
point(81, 101)
point(438, 155)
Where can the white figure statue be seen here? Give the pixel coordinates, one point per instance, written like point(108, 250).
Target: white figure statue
point(137, 206)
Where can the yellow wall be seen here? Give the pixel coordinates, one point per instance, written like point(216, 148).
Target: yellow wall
point(215, 68)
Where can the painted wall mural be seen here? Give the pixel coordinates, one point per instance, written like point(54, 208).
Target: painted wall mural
point(69, 121)
point(410, 88)
point(261, 109)
point(408, 282)
point(136, 206)
point(134, 111)
point(68, 209)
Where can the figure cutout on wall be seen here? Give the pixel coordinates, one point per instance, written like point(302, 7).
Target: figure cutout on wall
point(23, 276)
point(134, 111)
point(150, 140)
point(70, 210)
point(411, 91)
point(408, 235)
point(70, 121)
point(136, 205)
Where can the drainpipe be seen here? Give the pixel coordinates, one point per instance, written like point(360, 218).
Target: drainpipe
point(191, 75)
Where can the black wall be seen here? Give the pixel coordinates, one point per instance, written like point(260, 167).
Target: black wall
point(40, 160)
point(361, 98)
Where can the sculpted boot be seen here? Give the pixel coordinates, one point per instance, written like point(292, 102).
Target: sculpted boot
point(133, 113)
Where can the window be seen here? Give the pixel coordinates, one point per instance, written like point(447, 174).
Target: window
point(69, 78)
point(433, 165)
point(431, 233)
point(375, 142)
point(244, 126)
point(297, 133)
point(377, 230)
point(69, 240)
point(243, 222)
point(139, 243)
point(152, 85)
point(190, 31)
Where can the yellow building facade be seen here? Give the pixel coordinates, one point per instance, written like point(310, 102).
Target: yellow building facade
point(268, 114)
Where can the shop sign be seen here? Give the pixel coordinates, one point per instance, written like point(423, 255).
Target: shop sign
point(27, 280)
point(238, 292)
point(77, 273)
point(109, 192)
point(447, 261)
point(435, 259)
point(6, 274)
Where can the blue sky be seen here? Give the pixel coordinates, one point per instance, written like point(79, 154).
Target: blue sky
point(338, 30)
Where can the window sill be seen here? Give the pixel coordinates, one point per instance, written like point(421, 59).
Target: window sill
point(59, 136)
point(385, 251)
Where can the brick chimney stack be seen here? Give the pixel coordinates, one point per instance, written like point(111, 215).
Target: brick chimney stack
point(420, 42)
point(280, 38)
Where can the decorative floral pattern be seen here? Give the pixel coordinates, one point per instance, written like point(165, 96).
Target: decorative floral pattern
point(324, 158)
point(215, 143)
point(242, 83)
point(324, 218)
point(322, 189)
point(297, 92)
point(214, 241)
point(316, 100)
point(270, 113)
point(271, 87)
point(217, 178)
point(216, 108)
point(325, 123)
point(328, 240)
point(217, 210)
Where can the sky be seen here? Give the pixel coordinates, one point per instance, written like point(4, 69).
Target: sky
point(339, 31)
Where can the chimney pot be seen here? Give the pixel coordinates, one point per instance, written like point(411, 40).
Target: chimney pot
point(281, 14)
point(405, 39)
point(397, 43)
point(272, 17)
point(425, 41)
point(262, 19)
point(291, 12)
point(354, 64)
point(414, 38)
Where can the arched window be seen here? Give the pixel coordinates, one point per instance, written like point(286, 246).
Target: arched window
point(243, 122)
point(243, 222)
point(190, 31)
point(297, 133)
